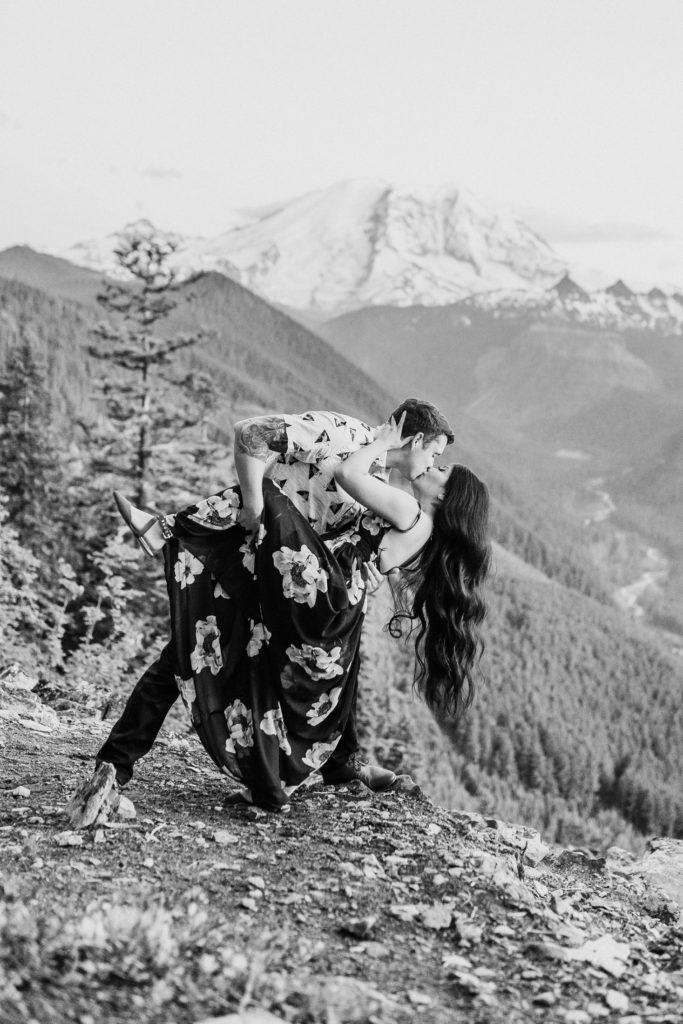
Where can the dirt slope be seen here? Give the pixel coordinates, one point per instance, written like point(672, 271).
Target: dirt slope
point(355, 907)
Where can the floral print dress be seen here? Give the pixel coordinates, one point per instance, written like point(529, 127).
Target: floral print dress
point(266, 629)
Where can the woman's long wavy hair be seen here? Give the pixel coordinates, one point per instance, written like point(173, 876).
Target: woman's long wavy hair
point(440, 595)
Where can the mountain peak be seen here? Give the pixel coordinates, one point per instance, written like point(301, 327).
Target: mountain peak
point(566, 287)
point(358, 242)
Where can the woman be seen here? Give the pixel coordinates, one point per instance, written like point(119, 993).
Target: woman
point(266, 626)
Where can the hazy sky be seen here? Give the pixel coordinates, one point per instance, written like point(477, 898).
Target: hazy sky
point(180, 110)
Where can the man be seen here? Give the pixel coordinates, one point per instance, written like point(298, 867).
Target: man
point(300, 453)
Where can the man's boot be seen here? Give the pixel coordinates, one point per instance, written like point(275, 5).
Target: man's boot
point(371, 775)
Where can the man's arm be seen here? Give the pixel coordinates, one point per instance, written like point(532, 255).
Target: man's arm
point(256, 441)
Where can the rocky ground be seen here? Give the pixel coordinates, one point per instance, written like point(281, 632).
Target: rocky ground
point(355, 907)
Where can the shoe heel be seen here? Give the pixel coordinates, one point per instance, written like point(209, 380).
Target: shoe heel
point(124, 507)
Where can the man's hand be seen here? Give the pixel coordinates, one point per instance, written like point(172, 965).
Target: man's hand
point(250, 518)
point(375, 579)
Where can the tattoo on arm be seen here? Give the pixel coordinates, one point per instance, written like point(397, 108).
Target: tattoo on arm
point(261, 436)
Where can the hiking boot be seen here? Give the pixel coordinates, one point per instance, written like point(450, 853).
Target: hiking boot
point(371, 775)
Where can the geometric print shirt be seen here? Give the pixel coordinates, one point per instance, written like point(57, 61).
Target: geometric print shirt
point(317, 442)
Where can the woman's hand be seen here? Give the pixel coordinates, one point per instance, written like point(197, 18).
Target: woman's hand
point(390, 433)
point(375, 578)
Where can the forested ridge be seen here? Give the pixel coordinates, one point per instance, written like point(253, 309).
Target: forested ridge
point(254, 354)
point(576, 727)
point(579, 707)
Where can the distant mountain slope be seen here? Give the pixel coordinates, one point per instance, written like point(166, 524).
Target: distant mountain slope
point(427, 345)
point(363, 242)
point(60, 330)
point(277, 362)
point(255, 354)
point(663, 476)
point(55, 276)
point(590, 707)
point(576, 728)
point(543, 385)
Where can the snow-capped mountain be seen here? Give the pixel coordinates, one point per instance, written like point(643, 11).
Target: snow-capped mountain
point(615, 308)
point(359, 243)
point(367, 243)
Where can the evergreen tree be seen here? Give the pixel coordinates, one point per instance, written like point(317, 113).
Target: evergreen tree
point(148, 406)
point(21, 615)
point(503, 758)
point(29, 462)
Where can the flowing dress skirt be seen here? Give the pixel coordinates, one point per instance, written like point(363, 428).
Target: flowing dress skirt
point(266, 629)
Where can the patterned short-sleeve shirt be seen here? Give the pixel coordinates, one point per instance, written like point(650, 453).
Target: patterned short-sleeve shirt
point(317, 442)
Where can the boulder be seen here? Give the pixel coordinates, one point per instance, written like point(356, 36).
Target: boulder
point(93, 798)
point(662, 867)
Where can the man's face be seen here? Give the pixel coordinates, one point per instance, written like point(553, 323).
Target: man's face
point(421, 455)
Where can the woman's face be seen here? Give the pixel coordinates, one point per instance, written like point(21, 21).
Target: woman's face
point(428, 488)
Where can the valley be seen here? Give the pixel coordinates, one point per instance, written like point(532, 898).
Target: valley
point(655, 570)
point(648, 561)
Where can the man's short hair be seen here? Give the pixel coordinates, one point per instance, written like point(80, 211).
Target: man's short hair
point(423, 418)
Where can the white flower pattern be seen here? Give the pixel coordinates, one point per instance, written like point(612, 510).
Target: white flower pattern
point(240, 722)
point(260, 635)
point(324, 706)
point(207, 652)
point(187, 568)
point(187, 691)
point(373, 523)
point(273, 724)
point(302, 576)
point(220, 510)
point(316, 661)
point(356, 586)
point(318, 754)
point(349, 536)
point(248, 549)
point(219, 590)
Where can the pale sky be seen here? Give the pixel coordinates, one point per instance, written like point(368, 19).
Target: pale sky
point(181, 110)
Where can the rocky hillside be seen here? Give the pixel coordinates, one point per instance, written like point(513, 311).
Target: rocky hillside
point(356, 908)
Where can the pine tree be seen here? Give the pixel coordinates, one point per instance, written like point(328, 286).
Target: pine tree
point(29, 463)
point(21, 614)
point(147, 406)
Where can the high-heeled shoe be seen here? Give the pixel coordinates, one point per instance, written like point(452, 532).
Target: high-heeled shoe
point(125, 508)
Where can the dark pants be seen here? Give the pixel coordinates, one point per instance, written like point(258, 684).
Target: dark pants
point(155, 693)
point(137, 728)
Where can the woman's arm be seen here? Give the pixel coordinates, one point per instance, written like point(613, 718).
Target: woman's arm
point(353, 475)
